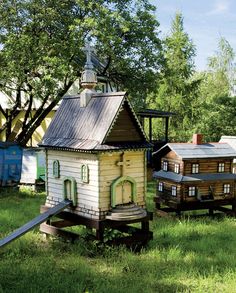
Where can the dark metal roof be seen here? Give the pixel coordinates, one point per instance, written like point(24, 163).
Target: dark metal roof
point(199, 151)
point(86, 128)
point(194, 177)
point(155, 113)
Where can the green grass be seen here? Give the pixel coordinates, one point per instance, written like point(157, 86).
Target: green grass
point(186, 255)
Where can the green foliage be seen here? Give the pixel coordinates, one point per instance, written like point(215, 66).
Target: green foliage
point(177, 91)
point(217, 116)
point(41, 50)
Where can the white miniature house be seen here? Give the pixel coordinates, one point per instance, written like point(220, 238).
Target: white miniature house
point(96, 157)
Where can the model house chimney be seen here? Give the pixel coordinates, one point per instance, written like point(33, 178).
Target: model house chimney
point(88, 78)
point(197, 138)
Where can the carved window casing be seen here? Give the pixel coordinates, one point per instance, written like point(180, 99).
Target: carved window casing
point(226, 188)
point(165, 166)
point(195, 168)
point(56, 169)
point(173, 190)
point(177, 168)
point(221, 167)
point(85, 173)
point(161, 186)
point(192, 191)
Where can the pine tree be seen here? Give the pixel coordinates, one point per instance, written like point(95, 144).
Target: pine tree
point(177, 88)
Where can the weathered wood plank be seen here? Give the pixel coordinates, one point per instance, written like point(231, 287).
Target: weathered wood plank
point(35, 222)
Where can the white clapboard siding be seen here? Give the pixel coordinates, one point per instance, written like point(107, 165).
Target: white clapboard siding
point(70, 166)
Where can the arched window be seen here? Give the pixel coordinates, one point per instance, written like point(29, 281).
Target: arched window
point(56, 169)
point(85, 173)
point(70, 190)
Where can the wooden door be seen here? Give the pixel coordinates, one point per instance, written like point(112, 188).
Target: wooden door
point(68, 189)
point(123, 193)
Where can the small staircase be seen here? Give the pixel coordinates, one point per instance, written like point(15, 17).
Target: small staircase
point(126, 212)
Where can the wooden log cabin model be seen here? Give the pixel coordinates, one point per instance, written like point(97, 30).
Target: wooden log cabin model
point(195, 176)
point(96, 157)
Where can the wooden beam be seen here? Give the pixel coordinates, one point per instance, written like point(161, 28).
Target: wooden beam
point(55, 231)
point(166, 129)
point(150, 129)
point(35, 222)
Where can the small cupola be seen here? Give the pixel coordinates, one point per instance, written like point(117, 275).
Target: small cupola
point(88, 78)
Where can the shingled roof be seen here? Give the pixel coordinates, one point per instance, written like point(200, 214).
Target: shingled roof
point(97, 127)
point(198, 151)
point(193, 177)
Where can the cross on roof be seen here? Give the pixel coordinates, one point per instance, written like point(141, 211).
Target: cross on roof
point(88, 50)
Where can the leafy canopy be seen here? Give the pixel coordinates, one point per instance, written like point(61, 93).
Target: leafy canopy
point(41, 51)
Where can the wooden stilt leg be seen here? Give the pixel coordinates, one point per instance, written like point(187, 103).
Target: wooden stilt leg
point(100, 233)
point(145, 226)
point(211, 212)
point(158, 206)
point(234, 208)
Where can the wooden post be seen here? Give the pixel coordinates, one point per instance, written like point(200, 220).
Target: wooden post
point(150, 129)
point(211, 212)
point(145, 226)
point(166, 129)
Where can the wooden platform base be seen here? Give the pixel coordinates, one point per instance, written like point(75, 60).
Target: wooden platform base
point(165, 206)
point(133, 236)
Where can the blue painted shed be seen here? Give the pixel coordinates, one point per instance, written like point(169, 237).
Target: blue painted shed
point(10, 163)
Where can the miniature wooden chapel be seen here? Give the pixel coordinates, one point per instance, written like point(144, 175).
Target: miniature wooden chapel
point(195, 176)
point(96, 157)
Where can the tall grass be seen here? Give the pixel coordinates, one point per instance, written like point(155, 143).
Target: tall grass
point(186, 255)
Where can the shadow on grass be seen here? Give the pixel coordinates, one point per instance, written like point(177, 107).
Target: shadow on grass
point(183, 253)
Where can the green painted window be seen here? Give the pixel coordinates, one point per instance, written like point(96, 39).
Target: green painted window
point(56, 169)
point(70, 190)
point(85, 173)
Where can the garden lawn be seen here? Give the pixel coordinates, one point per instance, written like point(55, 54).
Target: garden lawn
point(186, 255)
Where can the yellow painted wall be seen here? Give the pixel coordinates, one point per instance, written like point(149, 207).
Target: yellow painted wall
point(39, 132)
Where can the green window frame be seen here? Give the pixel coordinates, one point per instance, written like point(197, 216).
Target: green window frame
point(84, 173)
point(56, 169)
point(70, 189)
